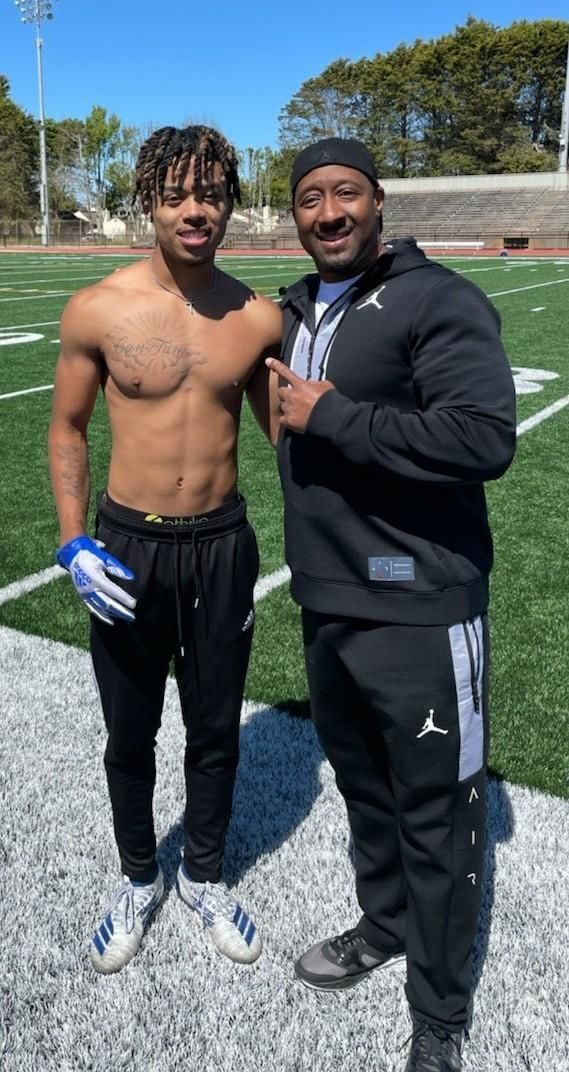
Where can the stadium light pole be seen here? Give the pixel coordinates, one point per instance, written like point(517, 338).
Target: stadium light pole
point(36, 11)
point(564, 134)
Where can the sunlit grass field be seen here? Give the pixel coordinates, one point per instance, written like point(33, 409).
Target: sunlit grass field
point(528, 506)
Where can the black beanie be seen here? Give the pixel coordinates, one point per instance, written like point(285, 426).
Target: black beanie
point(346, 151)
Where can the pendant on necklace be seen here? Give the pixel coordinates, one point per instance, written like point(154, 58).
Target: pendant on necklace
point(190, 307)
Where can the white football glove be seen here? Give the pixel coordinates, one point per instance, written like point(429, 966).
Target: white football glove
point(88, 565)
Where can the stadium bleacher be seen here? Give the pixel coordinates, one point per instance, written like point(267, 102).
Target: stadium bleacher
point(491, 212)
point(517, 217)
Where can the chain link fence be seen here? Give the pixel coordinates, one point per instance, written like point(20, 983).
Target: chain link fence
point(81, 233)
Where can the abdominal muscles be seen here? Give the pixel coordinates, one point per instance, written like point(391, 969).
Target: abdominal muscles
point(174, 454)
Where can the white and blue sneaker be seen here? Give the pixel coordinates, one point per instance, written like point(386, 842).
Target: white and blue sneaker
point(229, 926)
point(118, 937)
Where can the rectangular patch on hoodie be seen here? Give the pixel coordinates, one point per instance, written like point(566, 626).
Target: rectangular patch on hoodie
point(391, 569)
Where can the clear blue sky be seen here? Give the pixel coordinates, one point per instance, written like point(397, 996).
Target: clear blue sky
point(233, 65)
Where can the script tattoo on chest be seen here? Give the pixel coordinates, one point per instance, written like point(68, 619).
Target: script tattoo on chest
point(147, 341)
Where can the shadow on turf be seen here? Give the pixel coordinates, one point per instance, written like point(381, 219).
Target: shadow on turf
point(277, 784)
point(294, 708)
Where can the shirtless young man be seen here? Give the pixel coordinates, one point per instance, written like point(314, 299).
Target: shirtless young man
point(173, 343)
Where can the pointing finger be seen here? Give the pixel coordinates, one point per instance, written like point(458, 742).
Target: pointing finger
point(283, 370)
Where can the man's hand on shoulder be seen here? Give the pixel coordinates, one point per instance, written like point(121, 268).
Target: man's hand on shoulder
point(88, 563)
point(297, 397)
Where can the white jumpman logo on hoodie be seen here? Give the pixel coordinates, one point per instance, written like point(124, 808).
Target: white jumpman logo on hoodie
point(372, 300)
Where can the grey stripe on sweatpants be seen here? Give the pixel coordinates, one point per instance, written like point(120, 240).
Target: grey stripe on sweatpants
point(470, 717)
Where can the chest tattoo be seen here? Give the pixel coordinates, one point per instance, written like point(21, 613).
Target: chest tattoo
point(147, 341)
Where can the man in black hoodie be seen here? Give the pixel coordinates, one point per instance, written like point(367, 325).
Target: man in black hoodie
point(396, 403)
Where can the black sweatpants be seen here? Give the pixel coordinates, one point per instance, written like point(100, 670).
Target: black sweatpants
point(194, 580)
point(401, 712)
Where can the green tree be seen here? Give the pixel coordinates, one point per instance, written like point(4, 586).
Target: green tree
point(63, 139)
point(101, 143)
point(281, 168)
point(19, 197)
point(323, 107)
point(388, 84)
point(467, 101)
point(120, 175)
point(536, 53)
point(478, 100)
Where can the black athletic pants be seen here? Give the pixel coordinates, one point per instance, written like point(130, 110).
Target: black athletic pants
point(401, 712)
point(194, 580)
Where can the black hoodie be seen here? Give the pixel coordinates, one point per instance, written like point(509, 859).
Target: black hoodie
point(385, 513)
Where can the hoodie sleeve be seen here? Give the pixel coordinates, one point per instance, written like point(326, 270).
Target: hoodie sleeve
point(463, 428)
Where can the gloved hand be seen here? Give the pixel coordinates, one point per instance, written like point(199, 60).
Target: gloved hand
point(88, 565)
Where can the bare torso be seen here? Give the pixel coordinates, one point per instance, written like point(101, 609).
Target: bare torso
point(173, 378)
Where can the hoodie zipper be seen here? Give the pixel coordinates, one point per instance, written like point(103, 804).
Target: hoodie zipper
point(314, 334)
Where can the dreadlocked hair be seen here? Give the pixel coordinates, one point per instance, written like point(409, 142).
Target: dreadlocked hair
point(172, 147)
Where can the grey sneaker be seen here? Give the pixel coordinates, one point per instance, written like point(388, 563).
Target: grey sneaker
point(339, 963)
point(434, 1049)
point(229, 926)
point(118, 937)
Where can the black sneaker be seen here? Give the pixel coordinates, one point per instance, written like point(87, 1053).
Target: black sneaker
point(341, 962)
point(433, 1049)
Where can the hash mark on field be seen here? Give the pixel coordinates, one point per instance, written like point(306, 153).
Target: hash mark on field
point(538, 309)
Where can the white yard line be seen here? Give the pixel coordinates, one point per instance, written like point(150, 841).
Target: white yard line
point(48, 294)
point(22, 283)
point(270, 581)
point(20, 327)
point(497, 268)
point(36, 580)
point(532, 286)
point(543, 414)
point(28, 391)
point(27, 584)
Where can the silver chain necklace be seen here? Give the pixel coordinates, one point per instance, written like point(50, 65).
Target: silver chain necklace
point(188, 302)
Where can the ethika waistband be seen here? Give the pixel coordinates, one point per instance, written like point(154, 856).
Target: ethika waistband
point(228, 517)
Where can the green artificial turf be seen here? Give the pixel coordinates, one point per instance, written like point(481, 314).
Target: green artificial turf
point(530, 691)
